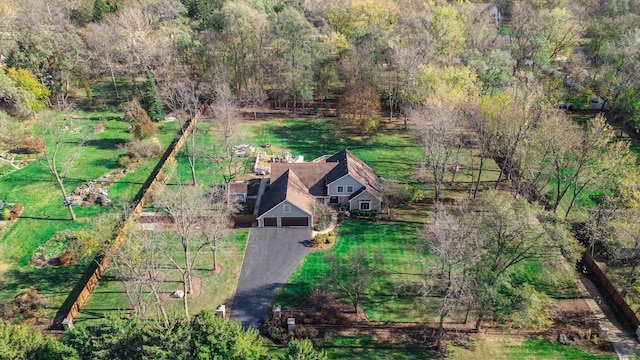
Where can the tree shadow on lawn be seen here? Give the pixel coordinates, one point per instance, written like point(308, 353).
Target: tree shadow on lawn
point(105, 144)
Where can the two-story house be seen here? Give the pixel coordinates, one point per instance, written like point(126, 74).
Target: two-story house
point(341, 180)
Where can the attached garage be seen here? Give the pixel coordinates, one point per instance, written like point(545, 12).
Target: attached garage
point(270, 221)
point(295, 221)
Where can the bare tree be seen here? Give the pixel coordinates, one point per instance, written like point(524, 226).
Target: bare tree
point(187, 206)
point(216, 225)
point(353, 273)
point(224, 130)
point(452, 239)
point(137, 261)
point(438, 129)
point(60, 159)
point(183, 100)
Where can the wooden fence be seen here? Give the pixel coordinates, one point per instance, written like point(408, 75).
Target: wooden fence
point(604, 282)
point(89, 280)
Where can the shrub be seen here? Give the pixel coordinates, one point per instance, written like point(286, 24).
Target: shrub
point(33, 145)
point(5, 214)
point(141, 149)
point(67, 257)
point(17, 208)
point(274, 330)
point(318, 240)
point(304, 332)
point(322, 224)
point(144, 129)
point(124, 161)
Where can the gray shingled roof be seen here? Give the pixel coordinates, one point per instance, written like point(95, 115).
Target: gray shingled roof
point(352, 165)
point(312, 175)
point(287, 187)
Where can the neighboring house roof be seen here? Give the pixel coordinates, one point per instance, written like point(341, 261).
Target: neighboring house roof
point(352, 165)
point(287, 187)
point(312, 175)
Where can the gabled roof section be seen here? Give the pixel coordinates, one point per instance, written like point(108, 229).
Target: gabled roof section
point(312, 175)
point(352, 165)
point(287, 187)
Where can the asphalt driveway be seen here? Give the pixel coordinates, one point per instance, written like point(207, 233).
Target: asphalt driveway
point(271, 256)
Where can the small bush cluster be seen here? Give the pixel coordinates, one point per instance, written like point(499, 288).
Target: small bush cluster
point(138, 149)
point(364, 213)
point(32, 145)
point(26, 304)
point(276, 330)
point(323, 239)
point(322, 224)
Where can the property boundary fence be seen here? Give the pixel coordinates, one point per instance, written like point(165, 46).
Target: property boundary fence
point(617, 299)
point(89, 280)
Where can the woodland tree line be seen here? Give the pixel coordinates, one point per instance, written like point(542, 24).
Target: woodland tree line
point(447, 69)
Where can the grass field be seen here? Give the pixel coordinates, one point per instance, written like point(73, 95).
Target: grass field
point(44, 214)
point(396, 241)
point(392, 153)
point(109, 297)
point(514, 348)
point(364, 347)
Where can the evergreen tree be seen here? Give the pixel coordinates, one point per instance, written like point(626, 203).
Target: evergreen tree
point(100, 10)
point(152, 101)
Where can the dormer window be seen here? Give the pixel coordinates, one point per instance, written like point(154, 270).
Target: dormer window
point(340, 189)
point(349, 189)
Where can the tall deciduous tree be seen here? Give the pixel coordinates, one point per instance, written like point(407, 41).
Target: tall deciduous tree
point(187, 206)
point(59, 158)
point(297, 48)
point(360, 107)
point(452, 239)
point(511, 236)
point(225, 131)
point(439, 131)
point(183, 99)
point(353, 273)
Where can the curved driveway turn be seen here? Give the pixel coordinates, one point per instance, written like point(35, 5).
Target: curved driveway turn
point(271, 256)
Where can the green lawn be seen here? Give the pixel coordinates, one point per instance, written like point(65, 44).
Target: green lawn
point(393, 154)
point(109, 297)
point(397, 241)
point(364, 347)
point(513, 348)
point(44, 215)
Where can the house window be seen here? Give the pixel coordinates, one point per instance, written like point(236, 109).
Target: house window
point(349, 189)
point(365, 205)
point(286, 208)
point(340, 189)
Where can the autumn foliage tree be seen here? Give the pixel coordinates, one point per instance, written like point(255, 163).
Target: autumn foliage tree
point(141, 125)
point(360, 108)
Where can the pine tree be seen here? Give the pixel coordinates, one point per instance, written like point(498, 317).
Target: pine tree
point(100, 10)
point(152, 101)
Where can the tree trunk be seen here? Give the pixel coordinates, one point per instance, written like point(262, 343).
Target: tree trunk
point(65, 196)
point(113, 80)
point(475, 191)
point(184, 298)
point(192, 156)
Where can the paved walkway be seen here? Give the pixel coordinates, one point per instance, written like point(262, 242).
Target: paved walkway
point(272, 255)
point(623, 341)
